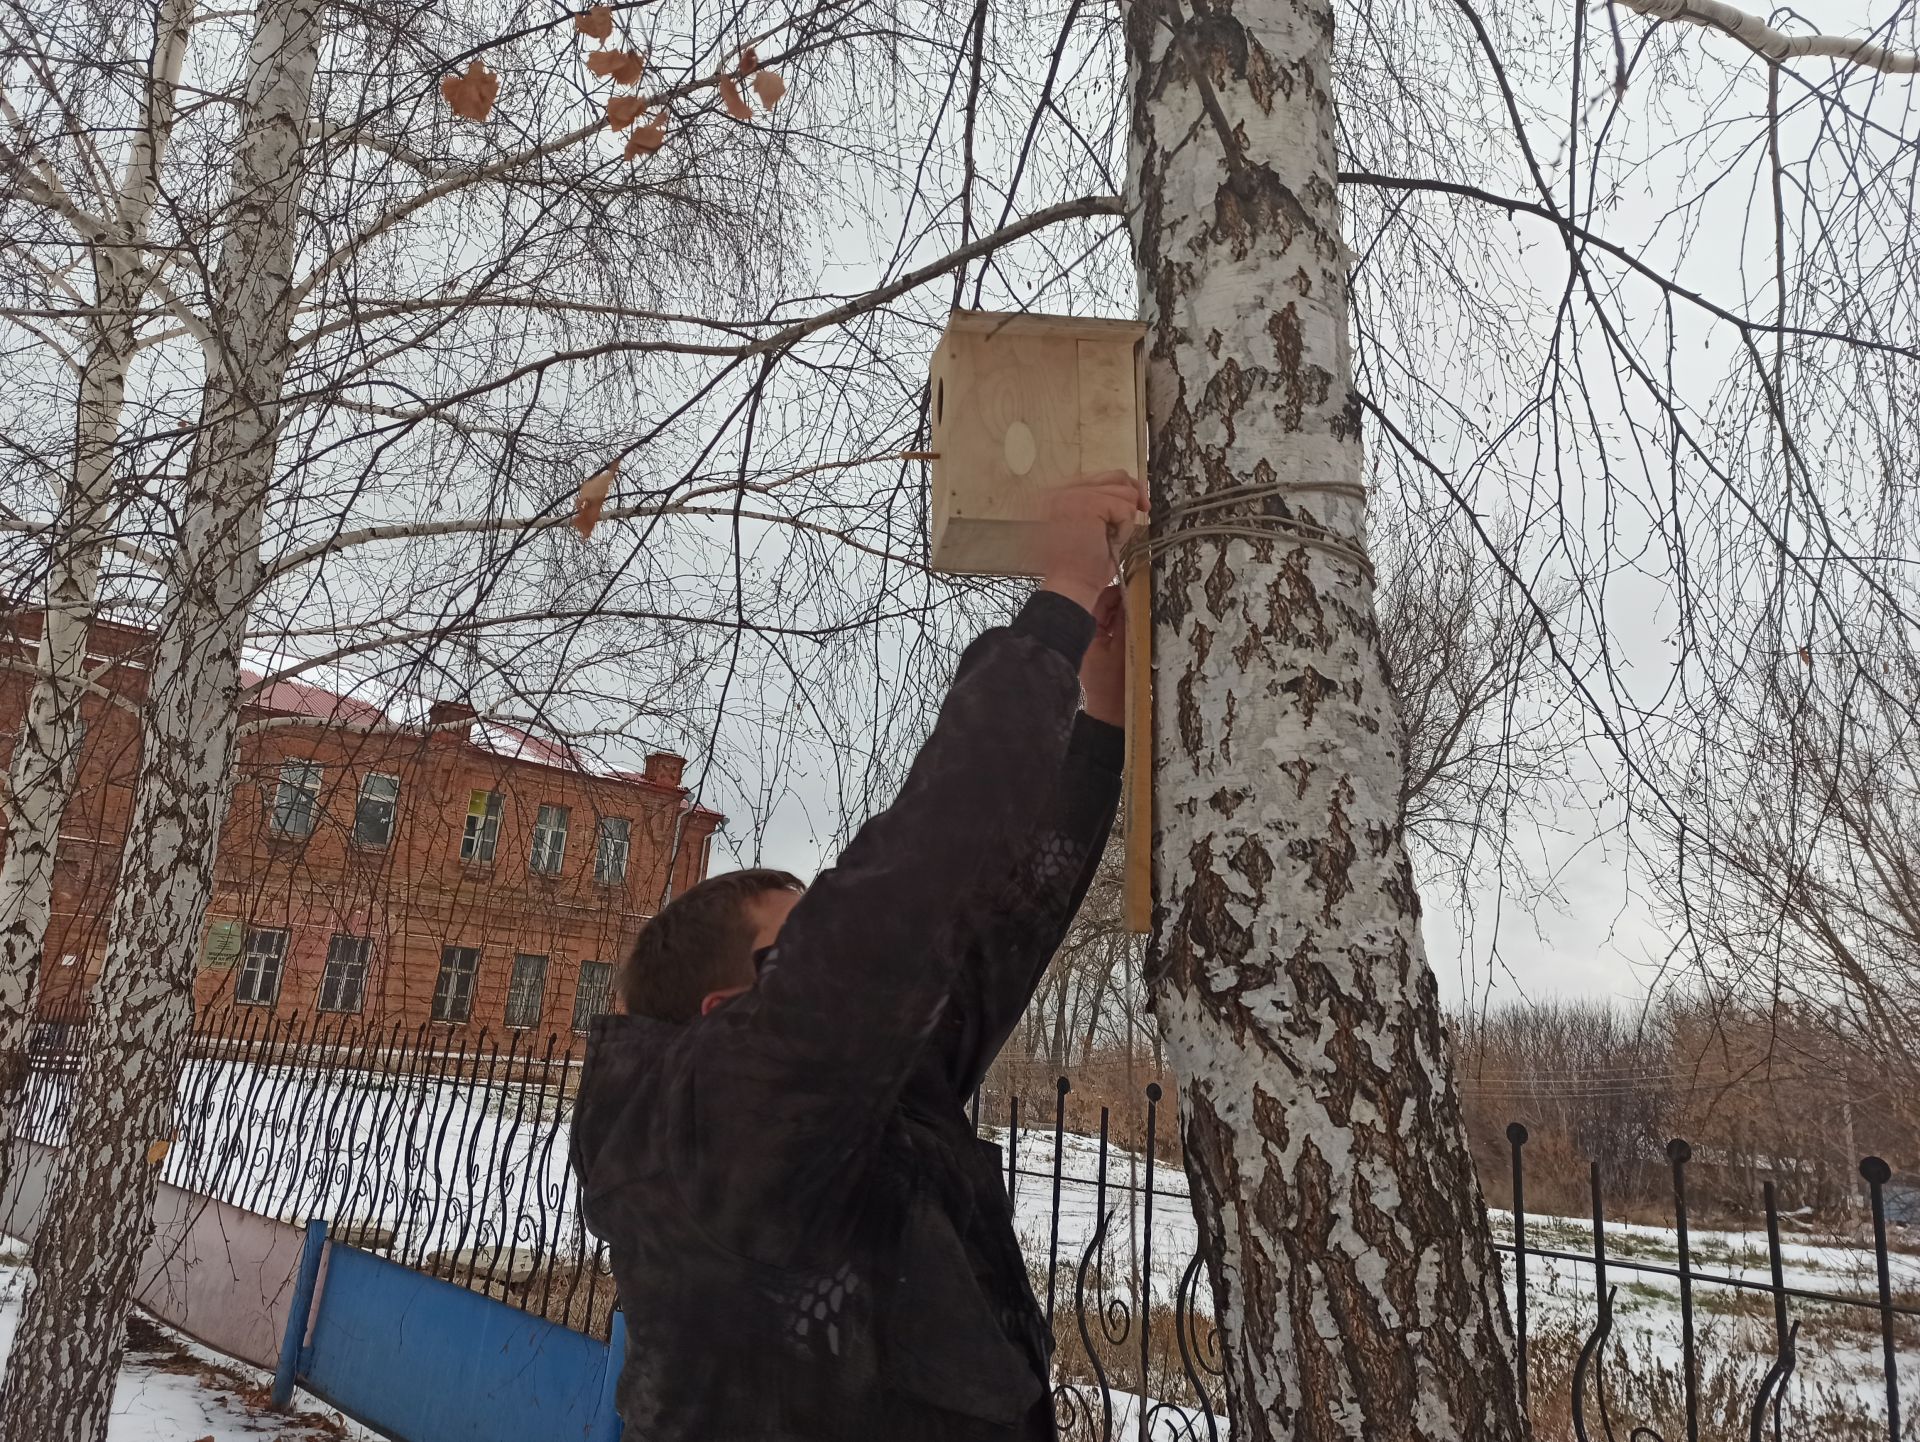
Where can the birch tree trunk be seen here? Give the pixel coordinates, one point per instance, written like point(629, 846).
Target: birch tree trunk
point(1347, 1242)
point(41, 774)
point(60, 1377)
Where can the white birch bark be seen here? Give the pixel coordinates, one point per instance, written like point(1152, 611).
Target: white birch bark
point(1347, 1242)
point(59, 1380)
point(41, 773)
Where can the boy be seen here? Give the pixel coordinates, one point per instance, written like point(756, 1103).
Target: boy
point(809, 1241)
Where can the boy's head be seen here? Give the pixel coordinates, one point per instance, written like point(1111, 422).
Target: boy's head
point(698, 951)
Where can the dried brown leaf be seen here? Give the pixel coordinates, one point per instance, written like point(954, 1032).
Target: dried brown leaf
point(648, 138)
point(157, 1153)
point(593, 496)
point(730, 98)
point(622, 66)
point(471, 95)
point(1806, 656)
point(596, 23)
point(749, 62)
point(623, 110)
point(769, 87)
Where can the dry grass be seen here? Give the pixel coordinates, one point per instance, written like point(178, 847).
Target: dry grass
point(1641, 1389)
point(1157, 1371)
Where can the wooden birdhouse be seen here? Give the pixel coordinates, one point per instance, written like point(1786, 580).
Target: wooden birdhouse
point(1022, 404)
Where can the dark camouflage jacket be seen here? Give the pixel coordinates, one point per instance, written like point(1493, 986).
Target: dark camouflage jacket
point(809, 1240)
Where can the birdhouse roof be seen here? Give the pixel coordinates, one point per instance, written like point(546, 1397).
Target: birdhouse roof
point(1029, 323)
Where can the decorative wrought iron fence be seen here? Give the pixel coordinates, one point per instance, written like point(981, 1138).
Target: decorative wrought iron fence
point(445, 1152)
point(448, 1153)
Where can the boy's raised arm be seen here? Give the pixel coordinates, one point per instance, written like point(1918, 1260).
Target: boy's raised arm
point(864, 963)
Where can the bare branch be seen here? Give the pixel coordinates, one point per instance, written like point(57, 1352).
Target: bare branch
point(1776, 45)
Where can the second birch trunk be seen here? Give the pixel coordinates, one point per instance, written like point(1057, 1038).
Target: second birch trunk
point(43, 768)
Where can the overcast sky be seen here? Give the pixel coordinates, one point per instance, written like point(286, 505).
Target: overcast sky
point(1595, 936)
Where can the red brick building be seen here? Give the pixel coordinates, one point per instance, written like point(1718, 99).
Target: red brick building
point(460, 874)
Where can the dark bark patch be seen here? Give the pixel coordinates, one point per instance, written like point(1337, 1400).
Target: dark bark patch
point(1289, 346)
point(1168, 288)
point(1302, 385)
point(1252, 645)
point(1329, 858)
point(1399, 884)
point(1294, 606)
point(1182, 571)
point(1308, 690)
point(1228, 389)
point(1220, 582)
point(1301, 770)
point(1227, 800)
point(1187, 716)
point(1313, 988)
point(1217, 466)
point(1186, 708)
point(1209, 927)
point(1277, 1209)
point(1213, 343)
point(1333, 868)
point(1252, 862)
point(1346, 425)
point(1264, 78)
point(1267, 207)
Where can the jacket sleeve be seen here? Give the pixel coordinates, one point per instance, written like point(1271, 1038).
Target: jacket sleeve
point(1009, 939)
point(793, 1073)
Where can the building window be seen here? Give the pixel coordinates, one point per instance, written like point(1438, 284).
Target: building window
point(593, 996)
point(483, 826)
point(610, 851)
point(257, 983)
point(527, 991)
point(373, 815)
point(296, 800)
point(453, 993)
point(343, 986)
point(549, 840)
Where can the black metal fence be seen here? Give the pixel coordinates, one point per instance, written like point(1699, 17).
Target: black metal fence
point(449, 1153)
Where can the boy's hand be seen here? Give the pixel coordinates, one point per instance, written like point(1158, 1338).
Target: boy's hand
point(1103, 674)
point(1081, 532)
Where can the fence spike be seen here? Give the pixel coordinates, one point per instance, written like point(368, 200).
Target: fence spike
point(1876, 1173)
point(1679, 1153)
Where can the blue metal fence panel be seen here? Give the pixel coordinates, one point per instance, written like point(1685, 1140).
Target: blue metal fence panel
point(421, 1360)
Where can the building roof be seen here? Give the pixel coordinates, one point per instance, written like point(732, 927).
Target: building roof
point(500, 738)
point(129, 646)
point(298, 698)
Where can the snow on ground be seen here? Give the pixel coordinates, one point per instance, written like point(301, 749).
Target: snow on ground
point(1839, 1346)
point(172, 1389)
